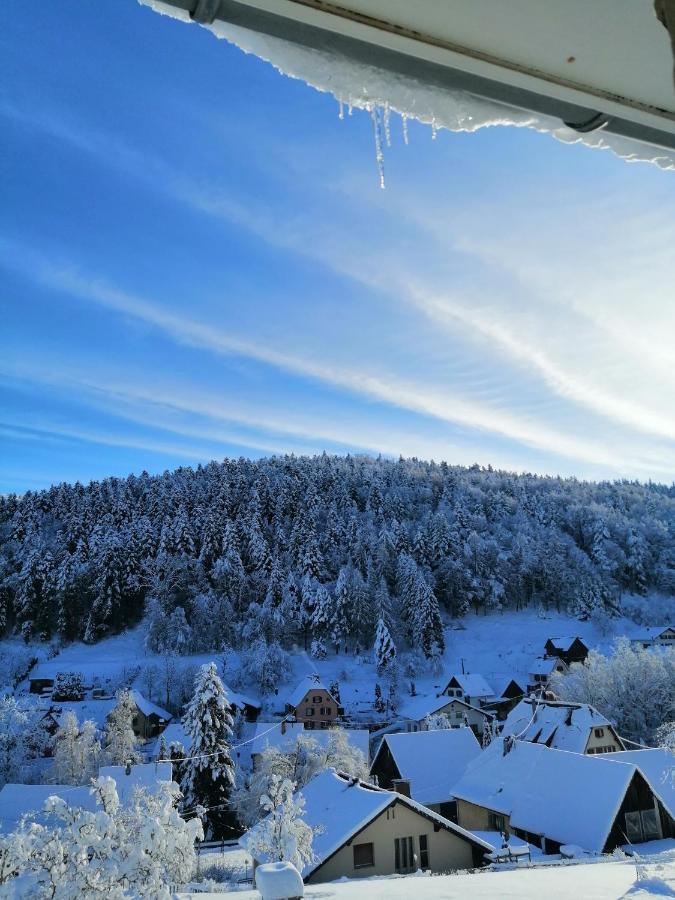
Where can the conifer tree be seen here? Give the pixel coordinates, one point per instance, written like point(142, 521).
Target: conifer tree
point(384, 648)
point(208, 776)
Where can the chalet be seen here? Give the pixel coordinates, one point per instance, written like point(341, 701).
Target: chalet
point(313, 704)
point(508, 695)
point(424, 765)
point(283, 736)
point(569, 649)
point(576, 727)
point(246, 706)
point(659, 636)
point(657, 767)
point(552, 797)
point(412, 716)
point(541, 671)
point(472, 689)
point(365, 831)
point(149, 719)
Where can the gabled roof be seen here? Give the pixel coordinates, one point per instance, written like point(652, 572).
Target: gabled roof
point(564, 644)
point(148, 708)
point(142, 775)
point(546, 665)
point(653, 632)
point(308, 683)
point(17, 800)
point(432, 760)
point(564, 726)
point(418, 708)
point(343, 806)
point(657, 766)
point(473, 685)
point(547, 791)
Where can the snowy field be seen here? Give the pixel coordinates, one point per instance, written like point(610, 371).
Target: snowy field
point(590, 881)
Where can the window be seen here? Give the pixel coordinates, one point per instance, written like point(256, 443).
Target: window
point(599, 732)
point(329, 710)
point(364, 855)
point(403, 854)
point(642, 826)
point(309, 711)
point(496, 821)
point(316, 699)
point(391, 812)
point(424, 852)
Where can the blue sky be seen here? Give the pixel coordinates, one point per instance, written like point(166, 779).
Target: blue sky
point(197, 261)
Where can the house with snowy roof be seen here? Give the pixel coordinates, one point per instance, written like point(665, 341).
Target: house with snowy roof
point(508, 693)
point(313, 704)
point(17, 800)
point(364, 830)
point(657, 766)
point(570, 649)
point(149, 718)
point(541, 670)
point(553, 797)
point(284, 735)
point(424, 765)
point(413, 714)
point(657, 636)
point(576, 727)
point(472, 688)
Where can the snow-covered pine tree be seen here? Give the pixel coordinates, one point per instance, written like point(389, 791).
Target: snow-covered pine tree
point(120, 744)
point(384, 648)
point(208, 775)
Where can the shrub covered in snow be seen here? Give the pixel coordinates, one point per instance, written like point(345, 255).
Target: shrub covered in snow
point(116, 852)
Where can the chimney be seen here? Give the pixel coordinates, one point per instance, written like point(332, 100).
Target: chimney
point(401, 786)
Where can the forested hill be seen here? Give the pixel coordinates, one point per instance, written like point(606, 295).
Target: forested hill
point(323, 546)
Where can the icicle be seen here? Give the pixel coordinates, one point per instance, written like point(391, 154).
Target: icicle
point(349, 108)
point(404, 119)
point(341, 109)
point(434, 129)
point(379, 155)
point(385, 121)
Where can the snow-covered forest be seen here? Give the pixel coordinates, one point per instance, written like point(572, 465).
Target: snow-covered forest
point(319, 550)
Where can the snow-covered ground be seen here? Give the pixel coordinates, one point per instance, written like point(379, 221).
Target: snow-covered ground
point(498, 646)
point(590, 881)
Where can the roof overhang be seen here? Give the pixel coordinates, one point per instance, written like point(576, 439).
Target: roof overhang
point(588, 63)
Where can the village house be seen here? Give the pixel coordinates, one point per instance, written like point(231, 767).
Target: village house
point(658, 636)
point(541, 671)
point(149, 719)
point(365, 831)
point(412, 716)
point(656, 764)
point(508, 695)
point(551, 798)
point(569, 649)
point(425, 764)
point(576, 727)
point(471, 688)
point(312, 703)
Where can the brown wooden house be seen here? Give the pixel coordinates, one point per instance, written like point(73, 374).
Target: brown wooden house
point(313, 704)
point(569, 649)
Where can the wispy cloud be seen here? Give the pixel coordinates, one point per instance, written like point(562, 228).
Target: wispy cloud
point(387, 387)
